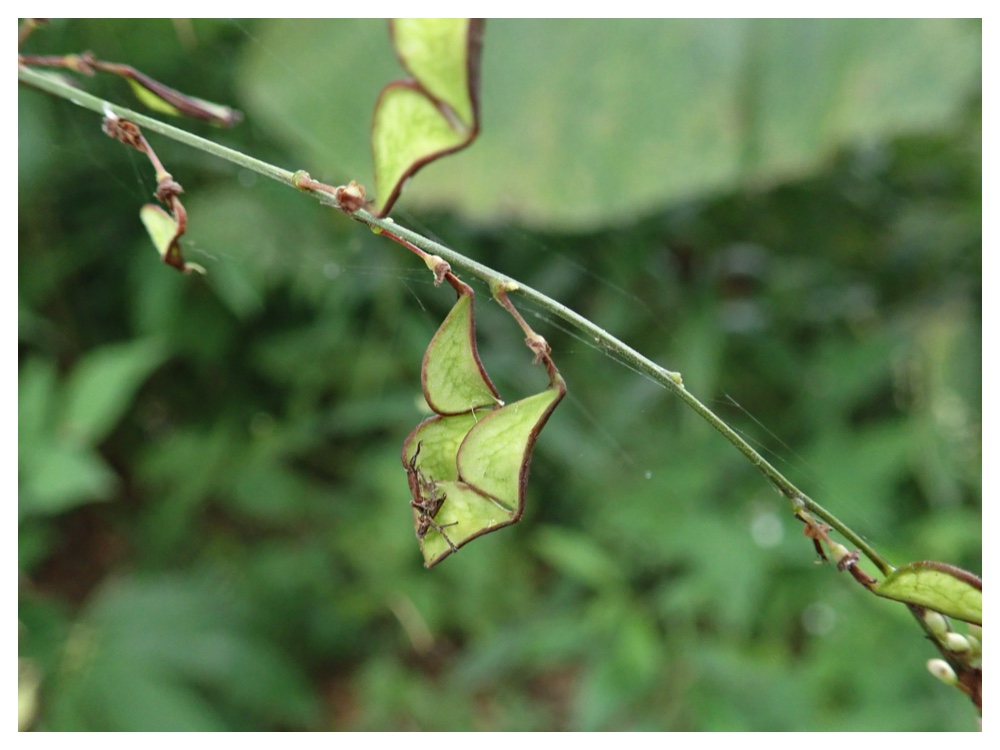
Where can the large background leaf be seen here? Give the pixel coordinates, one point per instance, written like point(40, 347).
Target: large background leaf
point(591, 122)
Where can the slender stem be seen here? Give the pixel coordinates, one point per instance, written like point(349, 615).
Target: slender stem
point(635, 360)
point(58, 87)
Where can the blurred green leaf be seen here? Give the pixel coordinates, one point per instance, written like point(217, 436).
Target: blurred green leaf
point(34, 157)
point(58, 478)
point(101, 387)
point(153, 649)
point(858, 467)
point(28, 682)
point(577, 556)
point(36, 405)
point(625, 670)
point(581, 131)
point(59, 425)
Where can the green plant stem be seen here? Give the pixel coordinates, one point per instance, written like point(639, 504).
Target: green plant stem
point(55, 84)
point(670, 380)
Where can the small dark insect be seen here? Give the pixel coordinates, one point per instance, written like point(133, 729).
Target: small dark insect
point(426, 501)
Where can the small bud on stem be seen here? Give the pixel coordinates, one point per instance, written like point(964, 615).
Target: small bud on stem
point(942, 670)
point(956, 643)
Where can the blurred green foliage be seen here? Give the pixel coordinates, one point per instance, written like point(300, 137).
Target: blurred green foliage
point(214, 529)
point(581, 131)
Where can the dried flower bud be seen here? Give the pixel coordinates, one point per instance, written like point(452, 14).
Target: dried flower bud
point(439, 266)
point(539, 346)
point(351, 197)
point(166, 187)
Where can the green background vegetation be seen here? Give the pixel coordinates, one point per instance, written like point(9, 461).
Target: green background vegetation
point(214, 528)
